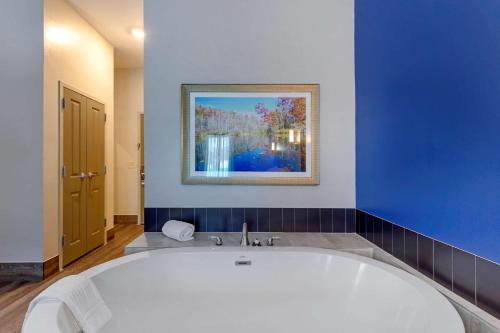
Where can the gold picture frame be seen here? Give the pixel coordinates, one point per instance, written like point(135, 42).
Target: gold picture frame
point(288, 161)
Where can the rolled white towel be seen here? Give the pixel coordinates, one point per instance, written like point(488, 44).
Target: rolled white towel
point(81, 297)
point(178, 230)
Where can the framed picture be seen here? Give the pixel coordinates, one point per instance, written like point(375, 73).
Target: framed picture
point(257, 134)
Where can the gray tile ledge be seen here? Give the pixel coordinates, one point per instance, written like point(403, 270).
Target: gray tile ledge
point(349, 242)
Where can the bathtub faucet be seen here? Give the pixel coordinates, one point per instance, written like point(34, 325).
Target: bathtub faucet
point(244, 235)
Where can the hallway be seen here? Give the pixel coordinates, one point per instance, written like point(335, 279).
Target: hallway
point(16, 296)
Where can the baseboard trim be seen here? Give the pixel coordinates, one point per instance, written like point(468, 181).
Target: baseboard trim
point(126, 219)
point(50, 267)
point(110, 233)
point(21, 271)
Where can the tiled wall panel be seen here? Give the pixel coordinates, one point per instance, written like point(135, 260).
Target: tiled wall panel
point(339, 220)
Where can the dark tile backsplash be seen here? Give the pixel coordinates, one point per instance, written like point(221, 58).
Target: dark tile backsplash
point(237, 219)
point(263, 220)
point(443, 264)
point(288, 220)
point(339, 220)
point(411, 248)
point(426, 256)
point(326, 220)
point(464, 277)
point(275, 220)
point(313, 220)
point(473, 278)
point(200, 219)
point(387, 236)
point(162, 215)
point(350, 220)
point(378, 228)
point(398, 242)
point(301, 220)
point(369, 228)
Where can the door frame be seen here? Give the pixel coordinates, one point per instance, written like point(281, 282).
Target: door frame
point(61, 86)
point(138, 163)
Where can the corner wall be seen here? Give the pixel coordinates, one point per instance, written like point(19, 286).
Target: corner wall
point(21, 125)
point(83, 59)
point(260, 41)
point(129, 102)
point(427, 118)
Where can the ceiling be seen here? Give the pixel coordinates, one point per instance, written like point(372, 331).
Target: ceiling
point(115, 19)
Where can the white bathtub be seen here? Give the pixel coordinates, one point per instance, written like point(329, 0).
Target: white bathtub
point(281, 290)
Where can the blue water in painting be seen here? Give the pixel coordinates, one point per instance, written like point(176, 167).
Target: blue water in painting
point(255, 155)
point(262, 160)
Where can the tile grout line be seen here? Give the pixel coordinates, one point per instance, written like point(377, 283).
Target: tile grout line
point(392, 238)
point(475, 280)
point(452, 270)
point(307, 219)
point(156, 219)
point(269, 220)
point(293, 219)
point(194, 218)
point(345, 220)
point(282, 221)
point(257, 219)
point(404, 244)
point(331, 219)
point(381, 221)
point(418, 257)
point(231, 219)
point(320, 220)
point(433, 261)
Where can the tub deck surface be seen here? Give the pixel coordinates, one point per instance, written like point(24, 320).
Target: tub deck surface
point(348, 242)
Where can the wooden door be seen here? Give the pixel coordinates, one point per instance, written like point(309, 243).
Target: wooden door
point(74, 243)
point(95, 174)
point(83, 175)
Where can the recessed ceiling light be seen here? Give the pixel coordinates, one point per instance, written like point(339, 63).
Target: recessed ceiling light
point(138, 33)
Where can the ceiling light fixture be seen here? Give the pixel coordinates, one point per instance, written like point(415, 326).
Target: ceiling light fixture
point(138, 33)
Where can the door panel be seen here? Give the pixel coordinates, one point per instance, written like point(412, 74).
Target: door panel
point(83, 181)
point(95, 167)
point(74, 184)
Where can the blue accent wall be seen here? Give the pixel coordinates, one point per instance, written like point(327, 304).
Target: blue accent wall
point(428, 118)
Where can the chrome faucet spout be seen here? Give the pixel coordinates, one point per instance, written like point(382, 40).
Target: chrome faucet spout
point(244, 235)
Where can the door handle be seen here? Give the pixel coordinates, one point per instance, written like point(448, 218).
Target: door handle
point(82, 176)
point(93, 174)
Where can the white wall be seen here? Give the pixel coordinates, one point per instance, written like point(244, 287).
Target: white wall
point(129, 102)
point(79, 56)
point(259, 41)
point(21, 95)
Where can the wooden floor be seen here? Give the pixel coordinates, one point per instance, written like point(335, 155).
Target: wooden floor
point(15, 296)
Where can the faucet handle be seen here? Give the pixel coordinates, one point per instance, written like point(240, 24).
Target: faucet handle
point(218, 240)
point(256, 242)
point(270, 240)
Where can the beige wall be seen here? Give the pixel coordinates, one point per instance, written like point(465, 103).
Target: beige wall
point(129, 102)
point(80, 57)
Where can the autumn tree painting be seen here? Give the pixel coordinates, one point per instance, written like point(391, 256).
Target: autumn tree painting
point(246, 134)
